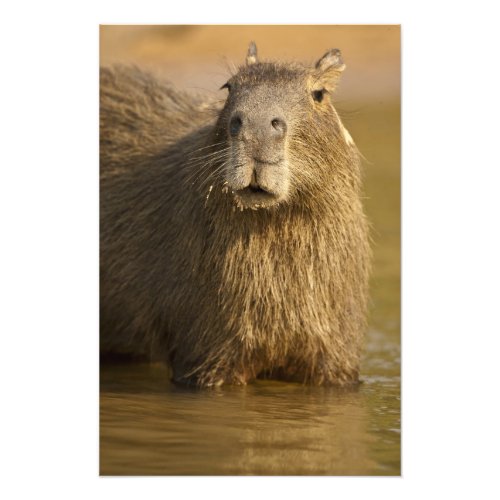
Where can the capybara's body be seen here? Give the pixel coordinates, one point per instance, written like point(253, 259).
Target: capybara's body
point(233, 240)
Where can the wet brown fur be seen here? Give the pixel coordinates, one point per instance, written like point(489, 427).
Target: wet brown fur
point(226, 294)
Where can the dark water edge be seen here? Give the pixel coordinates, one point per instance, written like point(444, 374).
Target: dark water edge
point(150, 427)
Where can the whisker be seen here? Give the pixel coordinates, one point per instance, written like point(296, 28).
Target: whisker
point(209, 146)
point(208, 155)
point(198, 173)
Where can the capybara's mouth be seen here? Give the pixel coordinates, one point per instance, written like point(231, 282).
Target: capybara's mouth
point(256, 189)
point(255, 197)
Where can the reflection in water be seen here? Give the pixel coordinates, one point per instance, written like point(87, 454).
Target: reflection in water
point(149, 426)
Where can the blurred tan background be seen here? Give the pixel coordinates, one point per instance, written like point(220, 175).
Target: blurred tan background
point(199, 55)
point(200, 58)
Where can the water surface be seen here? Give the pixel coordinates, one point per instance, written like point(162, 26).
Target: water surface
point(149, 426)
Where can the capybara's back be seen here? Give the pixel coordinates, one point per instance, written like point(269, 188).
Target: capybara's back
point(233, 240)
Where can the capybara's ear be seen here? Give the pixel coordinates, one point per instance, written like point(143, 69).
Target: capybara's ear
point(328, 69)
point(252, 53)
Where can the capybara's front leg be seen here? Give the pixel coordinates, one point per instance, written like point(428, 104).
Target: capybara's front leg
point(213, 373)
point(320, 369)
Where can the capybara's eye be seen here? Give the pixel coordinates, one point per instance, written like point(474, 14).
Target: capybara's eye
point(318, 95)
point(226, 86)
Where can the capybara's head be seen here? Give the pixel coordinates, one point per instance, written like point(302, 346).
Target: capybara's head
point(278, 118)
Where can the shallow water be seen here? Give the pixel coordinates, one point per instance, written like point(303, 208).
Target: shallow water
point(150, 427)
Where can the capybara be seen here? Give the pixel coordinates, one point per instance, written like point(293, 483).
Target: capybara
point(233, 240)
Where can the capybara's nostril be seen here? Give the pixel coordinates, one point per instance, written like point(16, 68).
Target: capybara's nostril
point(235, 125)
point(279, 126)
